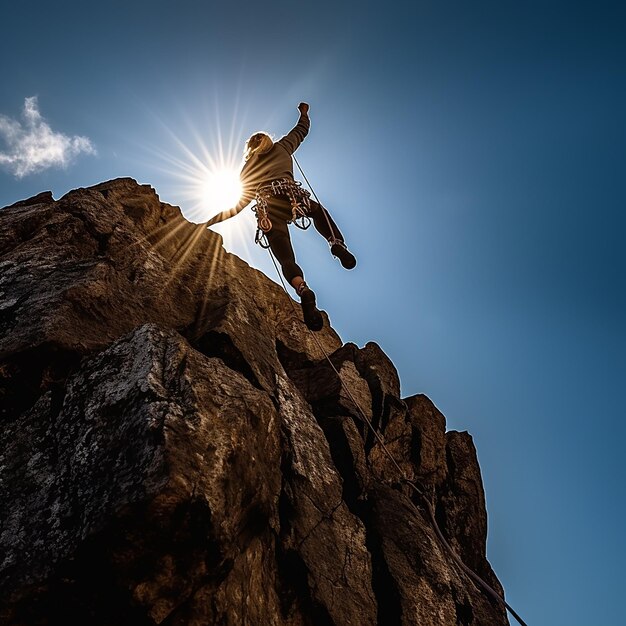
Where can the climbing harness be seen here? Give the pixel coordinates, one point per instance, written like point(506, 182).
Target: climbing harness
point(419, 490)
point(299, 199)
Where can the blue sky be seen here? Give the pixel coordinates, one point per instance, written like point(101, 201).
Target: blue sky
point(474, 156)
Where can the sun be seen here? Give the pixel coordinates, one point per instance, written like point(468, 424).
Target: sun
point(201, 168)
point(220, 190)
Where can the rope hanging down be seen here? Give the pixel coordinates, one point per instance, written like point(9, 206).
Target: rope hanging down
point(411, 483)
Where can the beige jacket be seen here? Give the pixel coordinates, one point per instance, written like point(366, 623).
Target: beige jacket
point(276, 163)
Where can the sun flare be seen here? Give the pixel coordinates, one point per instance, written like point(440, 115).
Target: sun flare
point(221, 190)
point(201, 175)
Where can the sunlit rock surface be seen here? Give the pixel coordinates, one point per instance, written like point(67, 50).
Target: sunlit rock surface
point(176, 450)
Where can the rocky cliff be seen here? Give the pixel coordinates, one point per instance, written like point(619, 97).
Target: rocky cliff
point(175, 449)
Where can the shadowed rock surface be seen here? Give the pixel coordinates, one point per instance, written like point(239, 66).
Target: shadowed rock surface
point(176, 450)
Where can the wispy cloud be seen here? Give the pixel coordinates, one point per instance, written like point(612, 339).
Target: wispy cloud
point(33, 146)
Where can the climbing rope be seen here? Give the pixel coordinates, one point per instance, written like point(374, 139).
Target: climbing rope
point(411, 483)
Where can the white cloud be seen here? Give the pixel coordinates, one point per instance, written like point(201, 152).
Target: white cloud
point(33, 146)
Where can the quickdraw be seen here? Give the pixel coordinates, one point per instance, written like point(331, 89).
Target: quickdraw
point(264, 225)
point(299, 199)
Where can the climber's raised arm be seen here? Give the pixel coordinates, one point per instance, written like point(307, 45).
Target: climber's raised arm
point(296, 135)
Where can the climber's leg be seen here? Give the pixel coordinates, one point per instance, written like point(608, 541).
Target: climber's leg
point(312, 317)
point(325, 225)
point(280, 244)
point(323, 222)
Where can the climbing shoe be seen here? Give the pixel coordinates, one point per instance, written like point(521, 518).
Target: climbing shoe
point(312, 317)
point(338, 249)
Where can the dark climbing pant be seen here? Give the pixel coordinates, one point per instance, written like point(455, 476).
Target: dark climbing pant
point(280, 241)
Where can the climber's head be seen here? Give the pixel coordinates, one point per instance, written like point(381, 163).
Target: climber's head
point(259, 143)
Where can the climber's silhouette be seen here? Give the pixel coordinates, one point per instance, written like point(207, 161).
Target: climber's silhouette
point(267, 176)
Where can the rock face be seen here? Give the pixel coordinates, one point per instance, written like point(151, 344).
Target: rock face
point(175, 448)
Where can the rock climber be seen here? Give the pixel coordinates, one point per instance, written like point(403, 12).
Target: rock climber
point(267, 176)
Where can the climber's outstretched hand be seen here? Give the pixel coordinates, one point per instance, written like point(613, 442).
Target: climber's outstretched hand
point(226, 215)
point(303, 107)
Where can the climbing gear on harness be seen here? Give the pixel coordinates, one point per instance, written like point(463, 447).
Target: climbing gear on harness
point(263, 221)
point(420, 492)
point(264, 225)
point(339, 250)
point(299, 199)
point(312, 317)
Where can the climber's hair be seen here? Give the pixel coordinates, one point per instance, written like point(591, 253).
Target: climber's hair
point(259, 143)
